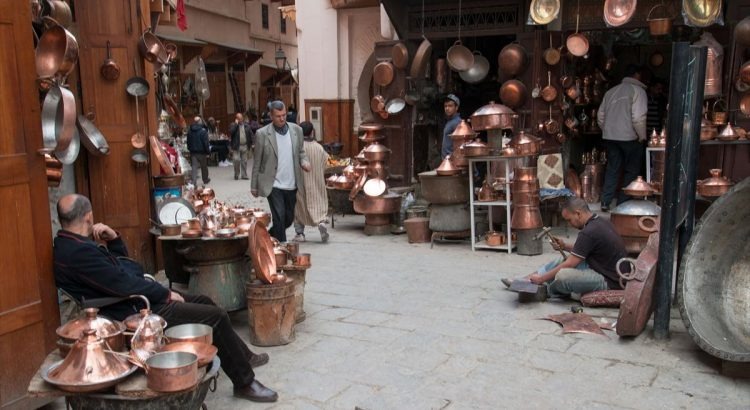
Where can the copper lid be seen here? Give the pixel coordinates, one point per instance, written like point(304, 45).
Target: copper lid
point(716, 179)
point(476, 143)
point(447, 168)
point(463, 130)
point(370, 126)
point(639, 187)
point(73, 330)
point(494, 110)
point(376, 147)
point(88, 366)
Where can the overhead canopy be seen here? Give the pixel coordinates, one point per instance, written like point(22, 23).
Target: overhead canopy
point(236, 53)
point(270, 76)
point(176, 38)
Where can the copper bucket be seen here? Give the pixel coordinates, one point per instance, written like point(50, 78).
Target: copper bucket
point(418, 230)
point(271, 312)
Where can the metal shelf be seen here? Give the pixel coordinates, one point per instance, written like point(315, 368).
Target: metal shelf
point(506, 203)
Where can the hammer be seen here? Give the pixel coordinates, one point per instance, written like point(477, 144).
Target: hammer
point(546, 232)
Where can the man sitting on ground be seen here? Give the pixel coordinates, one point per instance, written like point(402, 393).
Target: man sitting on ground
point(87, 270)
point(591, 263)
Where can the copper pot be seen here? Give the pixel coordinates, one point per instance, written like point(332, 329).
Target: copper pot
point(513, 93)
point(171, 371)
point(190, 332)
point(192, 233)
point(494, 238)
point(170, 229)
point(491, 116)
point(383, 205)
point(486, 193)
point(714, 186)
point(512, 59)
point(526, 144)
point(281, 256)
point(383, 73)
point(262, 216)
point(194, 223)
point(302, 259)
point(204, 352)
point(708, 131)
point(475, 148)
point(56, 53)
point(659, 26)
point(459, 57)
point(742, 32)
point(526, 174)
point(627, 219)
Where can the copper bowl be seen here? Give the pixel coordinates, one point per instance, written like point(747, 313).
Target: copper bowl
point(192, 233)
point(205, 352)
point(226, 233)
point(56, 53)
point(191, 332)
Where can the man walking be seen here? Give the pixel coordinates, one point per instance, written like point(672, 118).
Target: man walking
point(277, 169)
point(198, 145)
point(312, 202)
point(622, 118)
point(242, 144)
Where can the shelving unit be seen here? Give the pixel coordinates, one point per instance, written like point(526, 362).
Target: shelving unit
point(474, 204)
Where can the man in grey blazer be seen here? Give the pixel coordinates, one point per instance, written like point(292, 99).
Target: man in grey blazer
point(277, 169)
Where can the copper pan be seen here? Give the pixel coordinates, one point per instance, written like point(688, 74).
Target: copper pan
point(513, 93)
point(60, 11)
point(109, 69)
point(544, 11)
point(459, 57)
point(400, 55)
point(512, 59)
point(549, 93)
point(92, 138)
point(618, 12)
point(58, 119)
point(383, 73)
point(551, 55)
point(56, 52)
point(745, 104)
point(377, 104)
point(205, 352)
point(577, 43)
point(171, 371)
point(421, 58)
point(151, 48)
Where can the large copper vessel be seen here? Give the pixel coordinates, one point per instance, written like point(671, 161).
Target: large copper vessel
point(628, 220)
point(88, 367)
point(109, 330)
point(492, 116)
point(526, 217)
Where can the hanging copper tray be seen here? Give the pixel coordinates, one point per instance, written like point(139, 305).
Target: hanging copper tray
point(161, 156)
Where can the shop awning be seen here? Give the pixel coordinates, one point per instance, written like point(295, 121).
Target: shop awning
point(270, 76)
point(176, 38)
point(237, 53)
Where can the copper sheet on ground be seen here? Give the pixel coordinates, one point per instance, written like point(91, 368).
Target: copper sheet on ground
point(576, 323)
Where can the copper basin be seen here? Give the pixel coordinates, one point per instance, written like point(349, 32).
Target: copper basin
point(385, 204)
point(191, 332)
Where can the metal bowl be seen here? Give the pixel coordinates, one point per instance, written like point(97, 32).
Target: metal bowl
point(191, 332)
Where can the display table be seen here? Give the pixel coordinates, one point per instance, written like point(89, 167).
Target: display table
point(215, 267)
point(131, 393)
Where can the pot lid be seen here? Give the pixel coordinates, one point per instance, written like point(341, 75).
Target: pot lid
point(88, 364)
point(370, 126)
point(544, 11)
point(716, 179)
point(639, 187)
point(618, 12)
point(637, 207)
point(73, 330)
point(492, 109)
point(476, 143)
point(374, 187)
point(463, 129)
point(447, 167)
point(261, 252)
point(376, 148)
point(728, 133)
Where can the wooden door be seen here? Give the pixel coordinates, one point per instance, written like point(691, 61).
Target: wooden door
point(118, 189)
point(28, 299)
point(216, 105)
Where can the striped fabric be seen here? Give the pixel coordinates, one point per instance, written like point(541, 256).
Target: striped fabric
point(312, 203)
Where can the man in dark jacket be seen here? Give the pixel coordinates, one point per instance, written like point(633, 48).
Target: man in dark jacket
point(197, 143)
point(242, 144)
point(87, 270)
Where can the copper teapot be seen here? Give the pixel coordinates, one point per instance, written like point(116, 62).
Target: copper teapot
point(486, 192)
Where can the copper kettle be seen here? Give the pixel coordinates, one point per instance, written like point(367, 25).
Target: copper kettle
point(486, 192)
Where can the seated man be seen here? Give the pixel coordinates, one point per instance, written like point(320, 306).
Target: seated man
point(591, 263)
point(87, 270)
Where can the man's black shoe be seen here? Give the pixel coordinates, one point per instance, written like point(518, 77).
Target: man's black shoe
point(258, 360)
point(206, 181)
point(256, 392)
point(506, 282)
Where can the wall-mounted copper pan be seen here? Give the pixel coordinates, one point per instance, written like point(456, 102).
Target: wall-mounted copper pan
point(152, 49)
point(577, 43)
point(109, 69)
point(56, 52)
point(93, 139)
point(492, 116)
point(551, 55)
point(513, 93)
point(701, 13)
point(618, 12)
point(58, 118)
point(549, 93)
point(60, 12)
point(383, 73)
point(459, 57)
point(742, 32)
point(377, 104)
point(421, 58)
point(68, 155)
point(512, 59)
point(544, 11)
point(478, 70)
point(400, 55)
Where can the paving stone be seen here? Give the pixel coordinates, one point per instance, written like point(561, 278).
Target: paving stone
point(332, 313)
point(311, 385)
point(697, 384)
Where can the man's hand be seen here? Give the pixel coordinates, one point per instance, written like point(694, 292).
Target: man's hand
point(557, 244)
point(175, 297)
point(306, 167)
point(103, 232)
point(536, 278)
point(254, 193)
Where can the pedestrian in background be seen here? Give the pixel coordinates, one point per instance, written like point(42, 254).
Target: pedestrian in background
point(199, 148)
point(312, 202)
point(279, 161)
point(242, 144)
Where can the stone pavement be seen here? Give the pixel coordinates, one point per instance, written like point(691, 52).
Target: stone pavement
point(393, 325)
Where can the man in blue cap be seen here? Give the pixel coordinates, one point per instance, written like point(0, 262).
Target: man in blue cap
point(453, 118)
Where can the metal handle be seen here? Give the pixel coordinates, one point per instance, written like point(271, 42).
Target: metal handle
point(625, 276)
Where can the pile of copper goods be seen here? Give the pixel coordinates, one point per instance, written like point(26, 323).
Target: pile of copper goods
point(525, 197)
point(592, 177)
point(370, 191)
point(217, 219)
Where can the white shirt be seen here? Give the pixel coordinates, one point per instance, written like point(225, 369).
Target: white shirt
point(285, 165)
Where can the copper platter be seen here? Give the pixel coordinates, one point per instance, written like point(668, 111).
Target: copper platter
point(161, 156)
point(261, 252)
